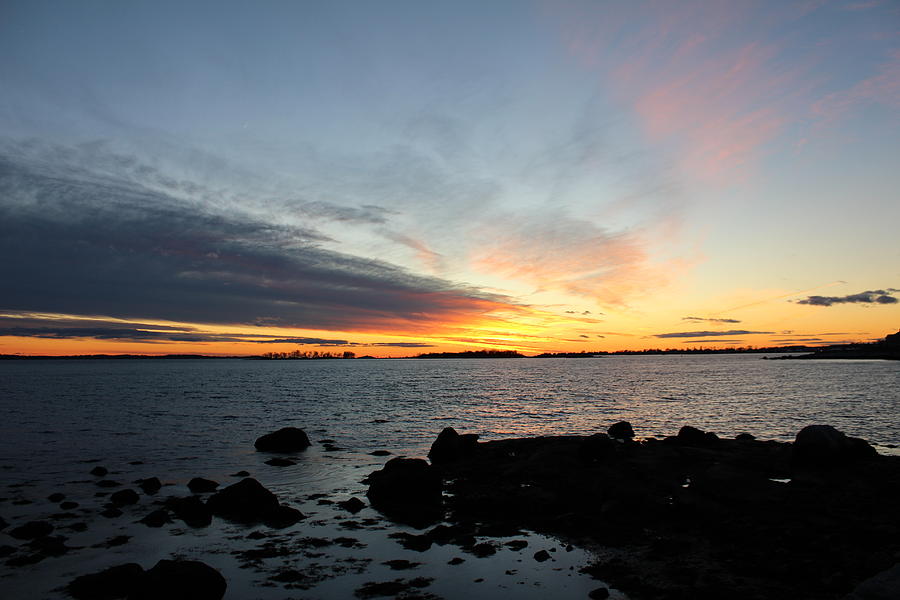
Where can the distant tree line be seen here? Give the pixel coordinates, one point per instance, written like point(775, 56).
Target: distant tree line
point(474, 354)
point(306, 355)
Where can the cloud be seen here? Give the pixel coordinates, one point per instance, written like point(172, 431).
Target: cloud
point(695, 334)
point(91, 243)
point(710, 320)
point(868, 297)
point(713, 342)
point(115, 333)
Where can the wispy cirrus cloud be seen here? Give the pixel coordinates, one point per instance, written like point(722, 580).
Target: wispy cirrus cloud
point(710, 320)
point(699, 334)
point(885, 296)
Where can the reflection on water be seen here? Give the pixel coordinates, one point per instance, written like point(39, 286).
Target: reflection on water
point(181, 419)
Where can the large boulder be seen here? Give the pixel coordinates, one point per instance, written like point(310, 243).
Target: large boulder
point(114, 582)
point(883, 586)
point(287, 439)
point(407, 490)
point(823, 444)
point(191, 510)
point(450, 446)
point(621, 431)
point(246, 501)
point(180, 580)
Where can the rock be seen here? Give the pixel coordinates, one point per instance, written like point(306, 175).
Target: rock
point(31, 530)
point(288, 439)
point(278, 461)
point(99, 471)
point(191, 510)
point(380, 453)
point(353, 505)
point(450, 446)
point(407, 489)
point(246, 501)
point(124, 497)
point(180, 580)
point(621, 431)
point(3, 524)
point(484, 549)
point(108, 483)
point(516, 545)
point(57, 497)
point(114, 582)
point(541, 555)
point(240, 474)
point(199, 485)
point(883, 586)
point(691, 436)
point(111, 513)
point(68, 505)
point(157, 518)
point(600, 593)
point(282, 516)
point(744, 437)
point(821, 444)
point(400, 564)
point(597, 447)
point(150, 485)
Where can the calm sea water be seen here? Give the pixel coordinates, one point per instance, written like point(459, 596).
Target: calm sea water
point(184, 418)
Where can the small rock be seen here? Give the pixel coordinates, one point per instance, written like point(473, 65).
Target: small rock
point(280, 462)
point(191, 510)
point(282, 516)
point(400, 564)
point(745, 437)
point(354, 505)
point(199, 485)
point(450, 446)
point(541, 555)
point(108, 483)
point(68, 505)
point(114, 582)
point(240, 474)
point(456, 561)
point(99, 471)
point(484, 549)
point(157, 518)
point(150, 485)
point(124, 497)
point(180, 579)
point(287, 439)
point(111, 513)
point(516, 545)
point(246, 501)
point(380, 453)
point(31, 530)
point(621, 431)
point(57, 497)
point(599, 594)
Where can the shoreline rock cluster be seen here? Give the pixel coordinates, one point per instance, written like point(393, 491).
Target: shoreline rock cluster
point(690, 516)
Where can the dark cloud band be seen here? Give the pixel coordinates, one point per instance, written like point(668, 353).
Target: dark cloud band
point(867, 297)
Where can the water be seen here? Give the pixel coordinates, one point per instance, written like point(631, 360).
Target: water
point(186, 418)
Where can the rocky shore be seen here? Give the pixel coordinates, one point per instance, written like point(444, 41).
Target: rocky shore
point(691, 516)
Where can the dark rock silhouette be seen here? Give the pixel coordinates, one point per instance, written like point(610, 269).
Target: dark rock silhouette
point(693, 516)
point(450, 446)
point(191, 510)
point(246, 501)
point(407, 490)
point(150, 485)
point(883, 586)
point(57, 497)
point(278, 461)
point(621, 431)
point(99, 471)
point(817, 444)
point(287, 439)
point(157, 518)
point(31, 530)
point(354, 505)
point(124, 497)
point(114, 582)
point(180, 580)
point(199, 485)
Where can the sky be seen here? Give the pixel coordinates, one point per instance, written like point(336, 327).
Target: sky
point(397, 177)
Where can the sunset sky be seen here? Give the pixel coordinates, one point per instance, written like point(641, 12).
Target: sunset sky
point(394, 177)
